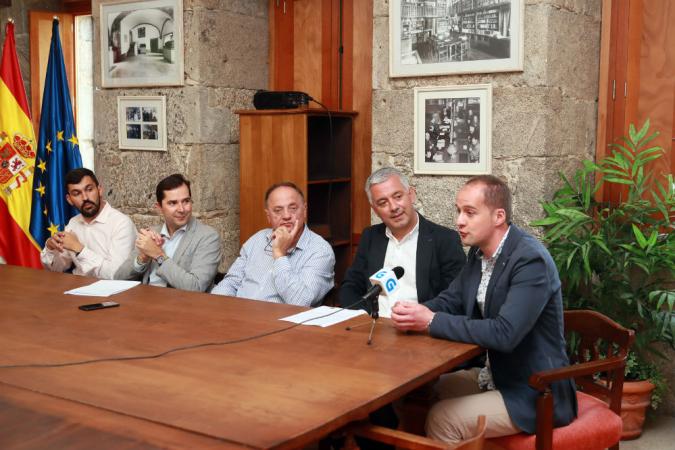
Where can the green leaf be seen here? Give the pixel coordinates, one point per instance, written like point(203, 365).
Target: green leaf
point(639, 236)
point(545, 221)
point(638, 137)
point(618, 180)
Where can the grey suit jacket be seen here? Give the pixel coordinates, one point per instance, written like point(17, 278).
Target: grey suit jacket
point(523, 325)
point(192, 267)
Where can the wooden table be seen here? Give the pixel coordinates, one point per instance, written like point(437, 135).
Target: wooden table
point(284, 390)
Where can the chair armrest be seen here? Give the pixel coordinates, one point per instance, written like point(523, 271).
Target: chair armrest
point(541, 380)
point(398, 438)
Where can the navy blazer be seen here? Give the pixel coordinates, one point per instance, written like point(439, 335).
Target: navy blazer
point(523, 326)
point(440, 258)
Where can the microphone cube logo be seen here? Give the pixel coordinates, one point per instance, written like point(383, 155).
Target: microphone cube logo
point(390, 285)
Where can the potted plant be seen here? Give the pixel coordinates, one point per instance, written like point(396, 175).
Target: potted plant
point(618, 258)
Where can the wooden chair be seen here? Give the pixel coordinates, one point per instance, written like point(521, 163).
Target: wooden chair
point(598, 346)
point(405, 440)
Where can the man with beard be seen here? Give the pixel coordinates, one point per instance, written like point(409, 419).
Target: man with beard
point(183, 253)
point(96, 241)
point(286, 263)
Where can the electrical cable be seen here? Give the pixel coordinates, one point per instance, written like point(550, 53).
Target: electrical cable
point(171, 350)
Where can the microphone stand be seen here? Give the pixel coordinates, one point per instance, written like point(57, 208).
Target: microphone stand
point(375, 314)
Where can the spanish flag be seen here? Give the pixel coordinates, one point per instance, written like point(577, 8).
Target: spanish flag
point(17, 162)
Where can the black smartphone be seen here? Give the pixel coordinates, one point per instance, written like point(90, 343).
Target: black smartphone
point(95, 306)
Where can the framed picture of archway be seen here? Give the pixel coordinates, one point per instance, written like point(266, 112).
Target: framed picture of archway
point(453, 130)
point(441, 37)
point(142, 43)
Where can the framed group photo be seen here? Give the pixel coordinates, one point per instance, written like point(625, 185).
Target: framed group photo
point(142, 43)
point(142, 122)
point(438, 37)
point(453, 128)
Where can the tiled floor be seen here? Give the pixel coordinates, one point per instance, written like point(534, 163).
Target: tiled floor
point(658, 434)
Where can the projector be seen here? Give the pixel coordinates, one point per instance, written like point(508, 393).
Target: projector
point(280, 99)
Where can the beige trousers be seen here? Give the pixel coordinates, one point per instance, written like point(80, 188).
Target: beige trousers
point(453, 418)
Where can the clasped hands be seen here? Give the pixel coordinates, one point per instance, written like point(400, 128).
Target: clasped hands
point(64, 240)
point(411, 316)
point(149, 245)
point(283, 239)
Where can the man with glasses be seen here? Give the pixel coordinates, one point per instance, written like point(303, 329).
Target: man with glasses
point(183, 253)
point(287, 263)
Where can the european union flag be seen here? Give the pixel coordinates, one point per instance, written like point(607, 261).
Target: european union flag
point(58, 150)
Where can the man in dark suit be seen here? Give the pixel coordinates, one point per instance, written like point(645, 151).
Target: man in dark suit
point(507, 300)
point(430, 254)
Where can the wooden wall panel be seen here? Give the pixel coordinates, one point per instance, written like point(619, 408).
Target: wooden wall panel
point(358, 88)
point(307, 48)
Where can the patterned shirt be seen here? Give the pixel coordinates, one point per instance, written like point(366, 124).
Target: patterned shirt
point(487, 266)
point(302, 277)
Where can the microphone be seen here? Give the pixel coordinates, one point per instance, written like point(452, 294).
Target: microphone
point(385, 281)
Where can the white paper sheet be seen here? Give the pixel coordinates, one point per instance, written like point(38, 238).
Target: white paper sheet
point(103, 288)
point(324, 316)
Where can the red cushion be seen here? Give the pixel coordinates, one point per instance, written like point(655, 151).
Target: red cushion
point(596, 427)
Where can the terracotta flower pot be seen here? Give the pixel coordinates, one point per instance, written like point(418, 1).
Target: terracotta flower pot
point(634, 402)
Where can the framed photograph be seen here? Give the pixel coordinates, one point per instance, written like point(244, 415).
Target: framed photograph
point(142, 43)
point(142, 122)
point(441, 37)
point(453, 129)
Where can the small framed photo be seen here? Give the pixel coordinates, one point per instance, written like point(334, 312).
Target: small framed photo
point(455, 36)
point(453, 130)
point(142, 43)
point(142, 122)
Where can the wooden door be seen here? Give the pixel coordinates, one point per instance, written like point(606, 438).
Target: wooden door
point(637, 75)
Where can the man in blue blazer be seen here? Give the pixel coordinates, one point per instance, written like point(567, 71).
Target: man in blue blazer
point(430, 254)
point(507, 299)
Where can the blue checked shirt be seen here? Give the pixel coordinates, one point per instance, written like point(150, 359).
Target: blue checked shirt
point(303, 277)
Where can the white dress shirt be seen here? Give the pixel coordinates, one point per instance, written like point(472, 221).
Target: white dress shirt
point(107, 239)
point(401, 253)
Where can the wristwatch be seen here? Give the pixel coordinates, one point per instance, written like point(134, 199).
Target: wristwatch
point(160, 259)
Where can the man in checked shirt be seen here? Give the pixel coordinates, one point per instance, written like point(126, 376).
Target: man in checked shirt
point(286, 263)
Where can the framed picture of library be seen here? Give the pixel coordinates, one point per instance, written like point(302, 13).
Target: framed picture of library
point(453, 129)
point(142, 43)
point(439, 37)
point(142, 122)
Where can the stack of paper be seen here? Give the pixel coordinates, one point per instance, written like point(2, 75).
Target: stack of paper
point(323, 316)
point(103, 288)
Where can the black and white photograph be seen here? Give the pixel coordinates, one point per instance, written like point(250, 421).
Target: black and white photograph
point(142, 43)
point(142, 122)
point(133, 114)
point(453, 129)
point(435, 37)
point(150, 114)
point(133, 131)
point(150, 132)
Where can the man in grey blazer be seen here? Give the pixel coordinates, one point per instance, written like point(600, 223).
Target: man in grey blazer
point(183, 253)
point(507, 299)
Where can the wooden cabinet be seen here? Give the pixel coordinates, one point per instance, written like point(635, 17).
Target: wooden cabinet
point(311, 148)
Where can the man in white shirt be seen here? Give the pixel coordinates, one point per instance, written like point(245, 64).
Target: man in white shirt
point(430, 254)
point(96, 241)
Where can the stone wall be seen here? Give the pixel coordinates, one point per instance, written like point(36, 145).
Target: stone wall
point(543, 119)
point(226, 53)
point(19, 12)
